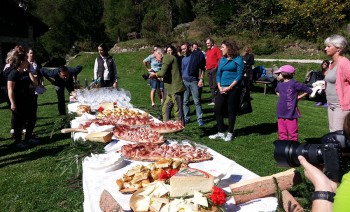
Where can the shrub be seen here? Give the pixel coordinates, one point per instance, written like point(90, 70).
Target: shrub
point(264, 47)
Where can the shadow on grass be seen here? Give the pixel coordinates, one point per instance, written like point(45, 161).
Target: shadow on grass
point(19, 158)
point(8, 149)
point(262, 129)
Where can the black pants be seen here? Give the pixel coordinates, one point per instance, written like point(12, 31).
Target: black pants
point(23, 116)
point(226, 102)
point(61, 100)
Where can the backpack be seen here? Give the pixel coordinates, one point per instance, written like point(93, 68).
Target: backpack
point(313, 76)
point(258, 72)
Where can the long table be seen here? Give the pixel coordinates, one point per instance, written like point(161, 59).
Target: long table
point(96, 181)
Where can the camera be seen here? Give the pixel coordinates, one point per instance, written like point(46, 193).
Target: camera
point(332, 153)
point(146, 76)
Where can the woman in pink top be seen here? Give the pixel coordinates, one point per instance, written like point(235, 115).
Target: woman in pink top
point(337, 82)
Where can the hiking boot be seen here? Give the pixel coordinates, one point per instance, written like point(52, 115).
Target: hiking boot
point(217, 135)
point(318, 104)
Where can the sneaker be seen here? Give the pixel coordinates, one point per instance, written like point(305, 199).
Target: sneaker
point(200, 123)
point(22, 146)
point(318, 104)
point(211, 104)
point(32, 141)
point(229, 137)
point(325, 105)
point(217, 135)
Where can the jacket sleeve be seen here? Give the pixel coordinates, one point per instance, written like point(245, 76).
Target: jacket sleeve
point(165, 66)
point(240, 67)
point(49, 73)
point(75, 71)
point(95, 69)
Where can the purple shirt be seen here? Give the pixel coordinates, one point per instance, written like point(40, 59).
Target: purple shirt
point(287, 105)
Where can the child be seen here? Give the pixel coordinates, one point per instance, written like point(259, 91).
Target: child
point(289, 92)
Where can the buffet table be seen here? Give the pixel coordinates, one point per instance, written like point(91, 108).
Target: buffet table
point(95, 181)
point(98, 179)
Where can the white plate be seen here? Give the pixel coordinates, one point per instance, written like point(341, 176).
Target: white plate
point(105, 162)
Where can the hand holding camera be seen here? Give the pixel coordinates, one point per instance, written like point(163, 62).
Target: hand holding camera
point(148, 75)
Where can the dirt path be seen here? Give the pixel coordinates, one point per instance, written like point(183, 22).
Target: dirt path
point(290, 60)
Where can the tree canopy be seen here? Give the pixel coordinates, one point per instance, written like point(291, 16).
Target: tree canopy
point(88, 22)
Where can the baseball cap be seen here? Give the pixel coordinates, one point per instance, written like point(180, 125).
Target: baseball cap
point(286, 68)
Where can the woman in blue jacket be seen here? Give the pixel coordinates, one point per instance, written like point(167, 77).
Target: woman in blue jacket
point(228, 77)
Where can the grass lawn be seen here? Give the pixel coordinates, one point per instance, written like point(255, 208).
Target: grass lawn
point(33, 180)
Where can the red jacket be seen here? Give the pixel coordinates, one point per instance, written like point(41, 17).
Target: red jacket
point(213, 56)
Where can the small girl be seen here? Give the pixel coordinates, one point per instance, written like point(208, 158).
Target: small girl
point(289, 92)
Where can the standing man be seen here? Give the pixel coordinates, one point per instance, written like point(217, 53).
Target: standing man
point(173, 84)
point(213, 56)
point(193, 64)
point(62, 78)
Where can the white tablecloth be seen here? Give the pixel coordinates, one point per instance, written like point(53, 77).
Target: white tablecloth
point(95, 181)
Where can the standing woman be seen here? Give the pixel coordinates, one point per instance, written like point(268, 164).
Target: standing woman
point(105, 69)
point(229, 74)
point(337, 82)
point(34, 68)
point(248, 59)
point(18, 84)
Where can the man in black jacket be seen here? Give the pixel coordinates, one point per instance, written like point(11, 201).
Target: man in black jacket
point(62, 78)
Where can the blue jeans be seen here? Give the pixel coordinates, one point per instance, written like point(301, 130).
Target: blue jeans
point(194, 89)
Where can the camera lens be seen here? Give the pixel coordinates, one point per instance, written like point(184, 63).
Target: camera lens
point(287, 152)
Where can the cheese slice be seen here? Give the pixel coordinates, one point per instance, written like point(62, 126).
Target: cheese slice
point(188, 180)
point(143, 204)
point(99, 136)
point(199, 199)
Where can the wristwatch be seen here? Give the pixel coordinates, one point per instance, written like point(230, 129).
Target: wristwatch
point(324, 195)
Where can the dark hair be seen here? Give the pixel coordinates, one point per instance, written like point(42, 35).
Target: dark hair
point(232, 48)
point(17, 59)
point(19, 49)
point(172, 48)
point(323, 62)
point(104, 47)
point(63, 69)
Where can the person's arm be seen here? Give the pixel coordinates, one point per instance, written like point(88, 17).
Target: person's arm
point(115, 72)
point(321, 183)
point(95, 69)
point(147, 63)
point(11, 94)
point(49, 75)
point(33, 78)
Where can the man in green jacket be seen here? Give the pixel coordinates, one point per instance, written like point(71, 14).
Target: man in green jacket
point(173, 84)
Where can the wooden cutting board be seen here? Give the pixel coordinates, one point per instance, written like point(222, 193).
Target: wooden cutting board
point(69, 130)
